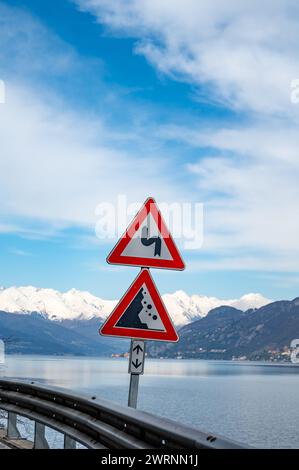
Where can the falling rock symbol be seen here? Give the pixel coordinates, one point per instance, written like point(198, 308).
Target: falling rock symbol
point(149, 315)
point(141, 313)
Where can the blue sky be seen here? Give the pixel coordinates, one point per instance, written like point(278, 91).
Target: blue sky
point(183, 101)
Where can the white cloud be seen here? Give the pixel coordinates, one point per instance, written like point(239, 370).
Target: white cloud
point(27, 47)
point(252, 192)
point(58, 162)
point(246, 51)
point(54, 166)
point(243, 55)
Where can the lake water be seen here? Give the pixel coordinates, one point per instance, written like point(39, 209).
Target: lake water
point(252, 403)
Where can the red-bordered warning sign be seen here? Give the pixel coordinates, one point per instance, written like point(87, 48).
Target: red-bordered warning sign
point(141, 313)
point(147, 242)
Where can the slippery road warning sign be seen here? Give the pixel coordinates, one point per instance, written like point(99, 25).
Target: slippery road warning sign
point(147, 242)
point(141, 313)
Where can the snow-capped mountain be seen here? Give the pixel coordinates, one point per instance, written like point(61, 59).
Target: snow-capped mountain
point(53, 304)
point(81, 305)
point(185, 308)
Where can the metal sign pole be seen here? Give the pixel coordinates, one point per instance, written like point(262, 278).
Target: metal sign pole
point(133, 390)
point(136, 368)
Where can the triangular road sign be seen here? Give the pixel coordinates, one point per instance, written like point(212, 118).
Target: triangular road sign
point(141, 313)
point(147, 242)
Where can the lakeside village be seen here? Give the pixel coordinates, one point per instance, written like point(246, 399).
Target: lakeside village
point(267, 355)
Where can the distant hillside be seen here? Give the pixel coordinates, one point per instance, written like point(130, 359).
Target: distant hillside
point(227, 333)
point(33, 334)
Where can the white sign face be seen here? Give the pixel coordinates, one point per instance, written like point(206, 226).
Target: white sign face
point(137, 355)
point(147, 242)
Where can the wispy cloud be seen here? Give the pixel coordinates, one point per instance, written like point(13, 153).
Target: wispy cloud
point(58, 161)
point(245, 51)
point(18, 252)
point(242, 55)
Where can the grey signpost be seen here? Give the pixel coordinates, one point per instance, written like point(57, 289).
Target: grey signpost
point(136, 368)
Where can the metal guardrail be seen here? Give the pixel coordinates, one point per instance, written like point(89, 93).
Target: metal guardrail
point(96, 423)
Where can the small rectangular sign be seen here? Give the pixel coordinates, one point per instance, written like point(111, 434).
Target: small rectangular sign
point(137, 355)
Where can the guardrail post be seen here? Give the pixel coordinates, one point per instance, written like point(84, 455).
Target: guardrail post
point(69, 443)
point(12, 429)
point(40, 441)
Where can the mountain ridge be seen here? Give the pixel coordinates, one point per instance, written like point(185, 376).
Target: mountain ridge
point(228, 333)
point(263, 333)
point(82, 305)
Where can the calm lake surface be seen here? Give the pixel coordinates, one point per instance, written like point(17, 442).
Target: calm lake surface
point(252, 403)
